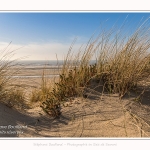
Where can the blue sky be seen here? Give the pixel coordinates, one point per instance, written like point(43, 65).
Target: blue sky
point(42, 35)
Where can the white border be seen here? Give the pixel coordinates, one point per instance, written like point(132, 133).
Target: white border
point(112, 144)
point(76, 5)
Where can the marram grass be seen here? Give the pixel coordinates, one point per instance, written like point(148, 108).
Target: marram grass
point(120, 62)
point(10, 94)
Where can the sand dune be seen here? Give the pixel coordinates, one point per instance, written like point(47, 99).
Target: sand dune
point(95, 116)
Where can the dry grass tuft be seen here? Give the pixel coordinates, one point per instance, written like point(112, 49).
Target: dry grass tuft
point(10, 94)
point(121, 61)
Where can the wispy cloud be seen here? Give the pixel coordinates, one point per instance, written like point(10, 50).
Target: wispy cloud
point(36, 51)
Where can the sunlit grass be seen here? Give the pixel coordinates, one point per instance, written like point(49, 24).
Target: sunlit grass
point(120, 62)
point(11, 94)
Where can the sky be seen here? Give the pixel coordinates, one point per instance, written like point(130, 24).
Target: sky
point(42, 35)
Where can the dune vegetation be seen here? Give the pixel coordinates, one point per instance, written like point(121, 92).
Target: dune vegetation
point(11, 94)
point(113, 59)
point(120, 61)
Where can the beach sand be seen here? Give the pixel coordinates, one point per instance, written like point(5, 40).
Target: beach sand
point(31, 77)
point(98, 115)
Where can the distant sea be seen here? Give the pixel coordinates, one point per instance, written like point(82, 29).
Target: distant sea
point(48, 63)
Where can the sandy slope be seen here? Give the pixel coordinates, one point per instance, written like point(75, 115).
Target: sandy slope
point(96, 116)
point(105, 117)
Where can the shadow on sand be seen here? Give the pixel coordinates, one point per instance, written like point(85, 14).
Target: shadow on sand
point(14, 123)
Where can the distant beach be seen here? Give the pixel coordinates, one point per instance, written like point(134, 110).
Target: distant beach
point(29, 73)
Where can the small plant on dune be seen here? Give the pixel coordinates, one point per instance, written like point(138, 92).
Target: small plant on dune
point(121, 62)
point(35, 96)
point(15, 97)
point(71, 81)
point(43, 92)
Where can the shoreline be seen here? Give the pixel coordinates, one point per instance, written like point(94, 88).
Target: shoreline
point(35, 76)
point(35, 71)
